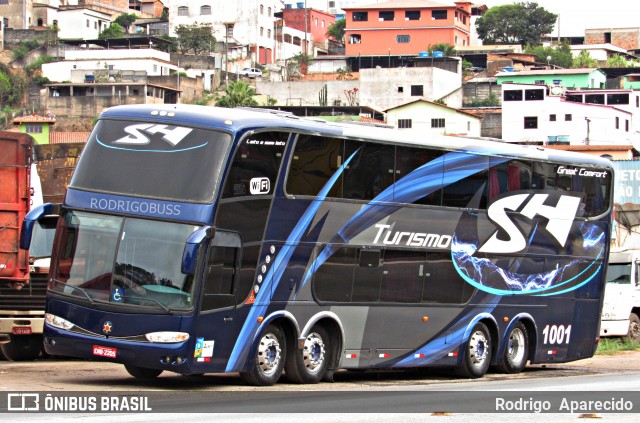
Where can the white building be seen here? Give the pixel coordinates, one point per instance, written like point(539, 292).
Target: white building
point(540, 114)
point(430, 117)
point(599, 52)
point(246, 22)
point(83, 24)
point(77, 64)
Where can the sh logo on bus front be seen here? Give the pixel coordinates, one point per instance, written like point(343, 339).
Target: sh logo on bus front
point(143, 136)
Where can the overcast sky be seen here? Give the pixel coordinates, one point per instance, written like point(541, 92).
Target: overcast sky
point(578, 15)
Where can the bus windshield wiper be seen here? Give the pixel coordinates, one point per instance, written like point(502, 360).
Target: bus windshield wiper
point(153, 300)
point(84, 292)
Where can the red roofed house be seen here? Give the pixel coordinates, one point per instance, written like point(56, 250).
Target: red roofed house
point(401, 27)
point(36, 126)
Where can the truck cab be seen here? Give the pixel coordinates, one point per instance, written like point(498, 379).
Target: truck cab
point(621, 309)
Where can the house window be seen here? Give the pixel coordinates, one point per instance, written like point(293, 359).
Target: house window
point(316, 21)
point(360, 16)
point(512, 95)
point(183, 11)
point(412, 15)
point(594, 98)
point(618, 98)
point(401, 39)
point(4, 1)
point(552, 118)
point(568, 117)
point(229, 30)
point(88, 24)
point(404, 123)
point(205, 10)
point(417, 90)
point(269, 11)
point(437, 123)
point(637, 101)
point(268, 33)
point(34, 129)
point(262, 31)
point(400, 89)
point(355, 39)
point(386, 15)
point(530, 122)
point(262, 9)
point(533, 95)
point(332, 4)
point(438, 14)
point(626, 125)
point(617, 122)
point(539, 82)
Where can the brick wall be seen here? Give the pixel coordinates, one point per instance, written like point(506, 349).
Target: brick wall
point(491, 124)
point(627, 38)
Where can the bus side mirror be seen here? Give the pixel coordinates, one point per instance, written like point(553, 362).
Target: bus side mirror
point(26, 231)
point(190, 252)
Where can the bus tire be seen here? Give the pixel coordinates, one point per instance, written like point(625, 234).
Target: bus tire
point(516, 350)
point(142, 372)
point(22, 348)
point(269, 357)
point(477, 353)
point(634, 328)
point(309, 364)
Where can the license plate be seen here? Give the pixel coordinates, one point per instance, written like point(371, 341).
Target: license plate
point(104, 351)
point(21, 330)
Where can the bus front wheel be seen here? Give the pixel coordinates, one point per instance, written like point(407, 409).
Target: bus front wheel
point(269, 357)
point(477, 353)
point(142, 372)
point(516, 351)
point(309, 364)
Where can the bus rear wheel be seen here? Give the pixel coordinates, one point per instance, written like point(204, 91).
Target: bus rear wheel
point(269, 357)
point(309, 364)
point(516, 351)
point(142, 372)
point(477, 353)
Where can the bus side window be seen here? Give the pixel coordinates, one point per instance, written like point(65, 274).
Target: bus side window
point(314, 161)
point(442, 282)
point(258, 156)
point(408, 159)
point(370, 171)
point(367, 277)
point(218, 286)
point(333, 281)
point(469, 192)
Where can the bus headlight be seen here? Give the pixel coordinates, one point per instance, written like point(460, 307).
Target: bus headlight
point(58, 322)
point(167, 337)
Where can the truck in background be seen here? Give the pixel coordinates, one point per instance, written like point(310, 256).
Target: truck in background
point(621, 309)
point(21, 300)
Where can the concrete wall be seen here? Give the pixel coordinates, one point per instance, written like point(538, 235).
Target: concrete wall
point(14, 36)
point(87, 106)
point(480, 90)
point(382, 89)
point(306, 93)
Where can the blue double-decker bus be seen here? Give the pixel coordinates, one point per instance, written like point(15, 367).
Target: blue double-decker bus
point(201, 240)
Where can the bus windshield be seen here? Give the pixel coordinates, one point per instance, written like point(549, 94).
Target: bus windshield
point(166, 162)
point(123, 260)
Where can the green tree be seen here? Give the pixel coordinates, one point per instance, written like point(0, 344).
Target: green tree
point(560, 55)
point(125, 20)
point(616, 61)
point(237, 94)
point(112, 31)
point(518, 23)
point(336, 30)
point(584, 60)
point(196, 38)
point(447, 49)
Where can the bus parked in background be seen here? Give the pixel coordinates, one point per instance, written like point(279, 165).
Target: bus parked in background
point(201, 240)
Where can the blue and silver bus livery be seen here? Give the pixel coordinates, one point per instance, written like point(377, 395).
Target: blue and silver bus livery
point(201, 240)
